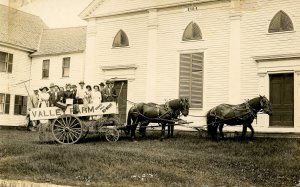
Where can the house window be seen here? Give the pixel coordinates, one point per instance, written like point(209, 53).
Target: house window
point(191, 78)
point(45, 70)
point(281, 22)
point(4, 103)
point(192, 32)
point(121, 39)
point(66, 67)
point(20, 105)
point(6, 61)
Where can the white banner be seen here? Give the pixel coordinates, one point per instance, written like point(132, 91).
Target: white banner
point(84, 110)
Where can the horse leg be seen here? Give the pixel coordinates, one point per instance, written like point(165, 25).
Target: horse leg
point(133, 129)
point(172, 130)
point(221, 125)
point(252, 130)
point(163, 128)
point(142, 129)
point(244, 131)
point(169, 131)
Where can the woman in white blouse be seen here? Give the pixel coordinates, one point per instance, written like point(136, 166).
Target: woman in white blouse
point(96, 95)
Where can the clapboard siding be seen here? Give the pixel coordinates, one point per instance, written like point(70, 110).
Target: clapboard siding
point(135, 27)
point(55, 72)
point(256, 41)
point(214, 45)
point(20, 72)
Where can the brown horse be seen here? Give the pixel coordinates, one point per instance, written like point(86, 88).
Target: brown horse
point(242, 114)
point(145, 113)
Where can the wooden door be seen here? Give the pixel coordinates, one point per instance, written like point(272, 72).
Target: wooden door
point(282, 99)
point(121, 88)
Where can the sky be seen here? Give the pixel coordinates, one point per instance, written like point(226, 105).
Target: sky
point(55, 13)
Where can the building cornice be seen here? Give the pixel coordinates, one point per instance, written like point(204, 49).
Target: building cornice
point(55, 54)
point(115, 67)
point(87, 13)
point(21, 48)
point(276, 57)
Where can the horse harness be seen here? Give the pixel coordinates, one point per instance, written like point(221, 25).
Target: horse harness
point(166, 106)
point(248, 111)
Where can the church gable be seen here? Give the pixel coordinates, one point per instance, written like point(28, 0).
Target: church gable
point(100, 8)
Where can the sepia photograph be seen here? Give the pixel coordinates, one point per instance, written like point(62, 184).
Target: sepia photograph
point(154, 93)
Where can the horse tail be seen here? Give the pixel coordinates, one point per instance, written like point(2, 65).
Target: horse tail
point(211, 126)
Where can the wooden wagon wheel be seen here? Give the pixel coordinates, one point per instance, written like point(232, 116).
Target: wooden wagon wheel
point(112, 134)
point(67, 129)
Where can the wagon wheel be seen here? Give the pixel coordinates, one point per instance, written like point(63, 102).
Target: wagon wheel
point(112, 134)
point(67, 129)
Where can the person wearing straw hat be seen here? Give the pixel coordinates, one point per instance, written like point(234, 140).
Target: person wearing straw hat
point(44, 97)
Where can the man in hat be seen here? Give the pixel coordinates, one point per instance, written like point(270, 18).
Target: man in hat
point(52, 88)
point(81, 93)
point(54, 96)
point(102, 85)
point(109, 92)
point(74, 93)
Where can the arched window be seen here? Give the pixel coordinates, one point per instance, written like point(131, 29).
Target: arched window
point(121, 39)
point(192, 32)
point(281, 22)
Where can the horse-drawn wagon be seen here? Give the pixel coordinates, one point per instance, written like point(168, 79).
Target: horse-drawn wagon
point(68, 127)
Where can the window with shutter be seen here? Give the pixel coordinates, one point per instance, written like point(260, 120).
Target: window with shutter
point(192, 32)
point(45, 69)
point(121, 39)
point(6, 61)
point(20, 105)
point(191, 78)
point(4, 103)
point(281, 22)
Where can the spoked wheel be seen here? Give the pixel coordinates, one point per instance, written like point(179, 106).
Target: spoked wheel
point(67, 129)
point(112, 134)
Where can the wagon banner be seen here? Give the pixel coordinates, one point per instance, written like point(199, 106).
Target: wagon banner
point(84, 110)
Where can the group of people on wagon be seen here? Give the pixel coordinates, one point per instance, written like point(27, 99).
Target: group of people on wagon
point(84, 94)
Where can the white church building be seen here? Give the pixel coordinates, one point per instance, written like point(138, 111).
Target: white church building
point(210, 51)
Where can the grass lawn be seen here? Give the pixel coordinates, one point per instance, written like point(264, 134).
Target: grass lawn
point(186, 160)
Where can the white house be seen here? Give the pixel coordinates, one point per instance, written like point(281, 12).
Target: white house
point(32, 53)
point(211, 51)
point(60, 57)
point(20, 36)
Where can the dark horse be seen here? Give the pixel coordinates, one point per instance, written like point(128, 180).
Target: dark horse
point(242, 114)
point(146, 113)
